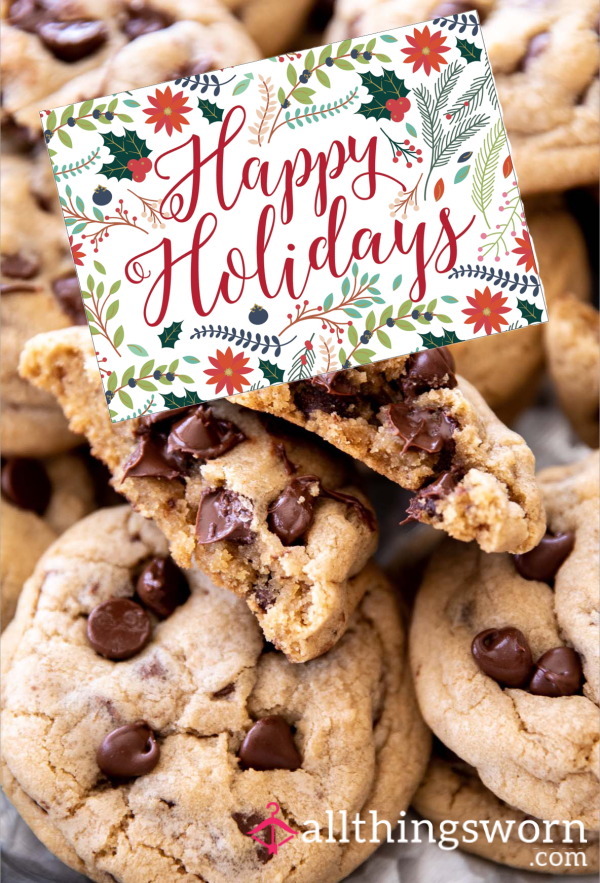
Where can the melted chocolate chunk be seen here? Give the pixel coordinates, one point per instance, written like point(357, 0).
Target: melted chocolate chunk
point(335, 383)
point(129, 751)
point(201, 434)
point(504, 655)
point(422, 429)
point(20, 266)
point(558, 672)
point(118, 628)
point(292, 513)
point(25, 483)
point(431, 369)
point(247, 823)
point(428, 496)
point(68, 294)
point(142, 19)
point(71, 41)
point(151, 459)
point(309, 397)
point(289, 467)
point(543, 562)
point(269, 745)
point(162, 587)
point(265, 596)
point(223, 515)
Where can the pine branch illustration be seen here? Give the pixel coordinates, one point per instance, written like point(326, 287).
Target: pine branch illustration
point(485, 169)
point(450, 142)
point(471, 100)
point(432, 127)
point(500, 277)
point(445, 84)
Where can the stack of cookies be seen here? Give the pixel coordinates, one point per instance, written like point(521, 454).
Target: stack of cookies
point(216, 639)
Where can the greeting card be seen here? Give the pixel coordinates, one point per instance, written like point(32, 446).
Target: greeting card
point(295, 216)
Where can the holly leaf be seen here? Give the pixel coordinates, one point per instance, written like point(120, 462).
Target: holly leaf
point(170, 335)
point(468, 51)
point(189, 397)
point(210, 110)
point(530, 312)
point(271, 372)
point(382, 88)
point(123, 148)
point(430, 341)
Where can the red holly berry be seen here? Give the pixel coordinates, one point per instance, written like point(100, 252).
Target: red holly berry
point(133, 164)
point(395, 159)
point(448, 116)
point(145, 164)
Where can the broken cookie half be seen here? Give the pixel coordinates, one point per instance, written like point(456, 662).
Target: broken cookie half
point(268, 515)
point(414, 421)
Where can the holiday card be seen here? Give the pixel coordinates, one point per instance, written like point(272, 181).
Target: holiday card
point(303, 214)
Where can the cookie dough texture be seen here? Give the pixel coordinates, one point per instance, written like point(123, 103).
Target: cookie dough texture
point(274, 25)
point(536, 753)
point(506, 368)
point(302, 595)
point(573, 352)
point(357, 727)
point(496, 503)
point(26, 535)
point(453, 792)
point(548, 89)
point(35, 253)
point(140, 44)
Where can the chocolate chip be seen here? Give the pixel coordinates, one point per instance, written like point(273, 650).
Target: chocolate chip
point(269, 745)
point(334, 382)
point(451, 8)
point(309, 397)
point(247, 823)
point(320, 16)
point(25, 483)
point(143, 19)
point(151, 459)
point(26, 15)
point(543, 562)
point(558, 672)
point(361, 510)
point(68, 294)
point(19, 265)
point(223, 515)
point(162, 587)
point(428, 496)
point(280, 450)
point(423, 429)
point(225, 691)
point(265, 596)
point(537, 45)
point(118, 628)
point(129, 751)
point(201, 434)
point(431, 369)
point(149, 422)
point(73, 40)
point(292, 513)
point(504, 655)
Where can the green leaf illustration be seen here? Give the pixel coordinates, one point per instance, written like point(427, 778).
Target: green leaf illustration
point(125, 398)
point(303, 95)
point(323, 78)
point(382, 88)
point(530, 312)
point(397, 282)
point(363, 357)
point(430, 341)
point(189, 397)
point(468, 51)
point(136, 349)
point(64, 138)
point(291, 75)
point(212, 112)
point(123, 148)
point(411, 130)
point(271, 372)
point(191, 359)
point(170, 335)
point(461, 174)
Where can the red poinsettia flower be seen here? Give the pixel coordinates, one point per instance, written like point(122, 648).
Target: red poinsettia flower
point(487, 311)
point(77, 252)
point(167, 110)
point(526, 252)
point(425, 49)
point(228, 371)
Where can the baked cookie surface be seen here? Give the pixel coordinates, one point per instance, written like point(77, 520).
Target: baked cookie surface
point(544, 59)
point(269, 515)
point(513, 685)
point(229, 725)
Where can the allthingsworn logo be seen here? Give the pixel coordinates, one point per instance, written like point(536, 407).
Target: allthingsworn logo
point(268, 831)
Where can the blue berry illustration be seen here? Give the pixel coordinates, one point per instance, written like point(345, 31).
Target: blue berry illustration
point(354, 53)
point(157, 375)
point(109, 396)
point(170, 377)
point(70, 122)
point(366, 337)
point(367, 56)
point(96, 114)
point(258, 315)
point(428, 316)
point(101, 196)
point(48, 133)
point(346, 364)
point(329, 63)
point(131, 382)
point(390, 323)
point(109, 116)
point(285, 103)
point(415, 314)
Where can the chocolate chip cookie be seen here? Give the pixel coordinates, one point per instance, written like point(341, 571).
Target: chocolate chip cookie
point(506, 368)
point(572, 348)
point(40, 499)
point(156, 764)
point(268, 514)
point(273, 25)
point(512, 686)
point(544, 58)
point(451, 791)
point(57, 53)
point(39, 291)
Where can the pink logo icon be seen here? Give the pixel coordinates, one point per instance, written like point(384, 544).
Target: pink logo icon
point(272, 823)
